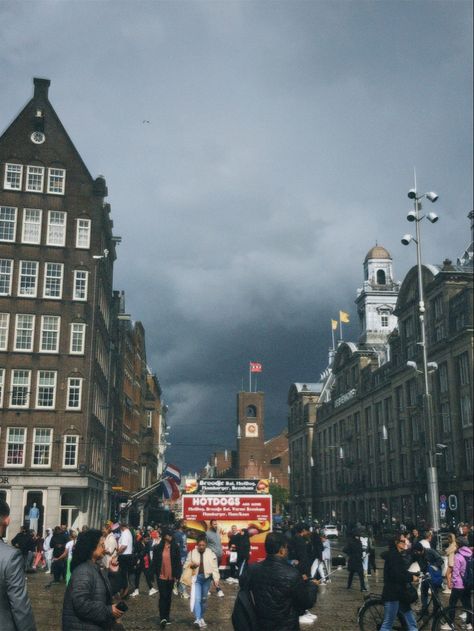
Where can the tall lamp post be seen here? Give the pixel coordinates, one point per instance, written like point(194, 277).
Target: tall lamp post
point(432, 473)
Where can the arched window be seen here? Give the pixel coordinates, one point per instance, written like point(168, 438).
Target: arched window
point(251, 411)
point(380, 277)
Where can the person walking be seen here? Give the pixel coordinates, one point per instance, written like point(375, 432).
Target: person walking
point(182, 541)
point(126, 558)
point(214, 543)
point(234, 536)
point(396, 577)
point(144, 565)
point(167, 567)
point(460, 590)
point(58, 544)
point(69, 550)
point(280, 593)
point(48, 550)
point(16, 613)
point(39, 553)
point(302, 552)
point(354, 551)
point(449, 554)
point(87, 604)
point(202, 563)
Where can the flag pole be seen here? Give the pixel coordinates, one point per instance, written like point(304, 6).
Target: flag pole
point(333, 342)
point(256, 383)
point(250, 378)
point(340, 327)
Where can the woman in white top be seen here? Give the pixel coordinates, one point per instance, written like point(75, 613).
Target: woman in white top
point(69, 549)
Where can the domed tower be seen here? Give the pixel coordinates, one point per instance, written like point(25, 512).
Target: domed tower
point(377, 298)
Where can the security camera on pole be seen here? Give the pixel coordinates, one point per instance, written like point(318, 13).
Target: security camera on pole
point(432, 473)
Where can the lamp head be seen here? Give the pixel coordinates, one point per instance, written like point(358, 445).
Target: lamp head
point(406, 239)
point(433, 217)
point(441, 446)
point(411, 216)
point(412, 194)
point(432, 366)
point(412, 364)
point(432, 196)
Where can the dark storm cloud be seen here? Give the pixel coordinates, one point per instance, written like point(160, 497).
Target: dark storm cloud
point(280, 145)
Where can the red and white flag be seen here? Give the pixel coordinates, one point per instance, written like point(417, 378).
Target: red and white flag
point(255, 367)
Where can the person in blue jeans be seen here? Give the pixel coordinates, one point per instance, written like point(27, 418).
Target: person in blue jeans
point(203, 563)
point(395, 578)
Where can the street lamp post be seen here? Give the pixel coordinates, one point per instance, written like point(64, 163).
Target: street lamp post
point(432, 473)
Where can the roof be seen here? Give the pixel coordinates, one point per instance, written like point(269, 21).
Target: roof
point(377, 252)
point(308, 387)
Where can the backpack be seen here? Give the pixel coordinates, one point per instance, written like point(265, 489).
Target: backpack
point(436, 575)
point(468, 576)
point(244, 617)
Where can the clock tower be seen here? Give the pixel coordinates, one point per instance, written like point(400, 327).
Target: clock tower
point(250, 435)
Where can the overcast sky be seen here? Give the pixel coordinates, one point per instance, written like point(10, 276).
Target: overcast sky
point(280, 146)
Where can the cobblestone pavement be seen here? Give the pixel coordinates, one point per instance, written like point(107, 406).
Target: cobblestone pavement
point(336, 607)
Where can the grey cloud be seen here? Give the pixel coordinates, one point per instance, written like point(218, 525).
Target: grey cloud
point(281, 144)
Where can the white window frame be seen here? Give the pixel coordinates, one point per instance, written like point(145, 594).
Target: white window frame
point(27, 385)
point(32, 317)
point(71, 339)
point(4, 330)
point(74, 442)
point(48, 277)
point(50, 241)
point(86, 285)
point(29, 170)
point(53, 386)
point(43, 331)
point(18, 169)
point(2, 385)
point(14, 220)
point(34, 293)
point(49, 444)
point(7, 443)
point(59, 173)
point(78, 407)
point(87, 243)
point(32, 223)
point(149, 418)
point(10, 273)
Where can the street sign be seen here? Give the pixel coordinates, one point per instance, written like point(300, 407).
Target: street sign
point(442, 498)
point(443, 505)
point(442, 513)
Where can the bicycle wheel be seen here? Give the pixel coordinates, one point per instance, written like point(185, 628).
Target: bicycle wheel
point(371, 615)
point(458, 615)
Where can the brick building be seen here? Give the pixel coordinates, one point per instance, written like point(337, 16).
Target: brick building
point(254, 457)
point(56, 308)
point(80, 411)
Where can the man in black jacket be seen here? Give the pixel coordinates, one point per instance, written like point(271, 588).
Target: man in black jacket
point(280, 594)
point(395, 580)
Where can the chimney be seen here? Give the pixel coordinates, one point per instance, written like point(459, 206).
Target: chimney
point(41, 88)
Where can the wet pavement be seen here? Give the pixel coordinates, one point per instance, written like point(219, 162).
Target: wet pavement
point(336, 607)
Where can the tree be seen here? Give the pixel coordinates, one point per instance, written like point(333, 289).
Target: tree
point(280, 497)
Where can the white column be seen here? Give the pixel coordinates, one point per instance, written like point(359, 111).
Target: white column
point(16, 510)
point(52, 504)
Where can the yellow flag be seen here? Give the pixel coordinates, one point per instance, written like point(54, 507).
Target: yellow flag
point(334, 325)
point(344, 317)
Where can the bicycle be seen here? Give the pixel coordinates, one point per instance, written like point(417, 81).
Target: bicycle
point(370, 616)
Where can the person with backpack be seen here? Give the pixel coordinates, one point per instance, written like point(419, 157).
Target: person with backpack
point(462, 582)
point(431, 562)
point(276, 595)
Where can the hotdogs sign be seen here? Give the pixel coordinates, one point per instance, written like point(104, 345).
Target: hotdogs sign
point(226, 486)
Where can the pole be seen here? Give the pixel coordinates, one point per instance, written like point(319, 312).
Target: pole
point(340, 327)
point(333, 343)
point(250, 378)
point(431, 471)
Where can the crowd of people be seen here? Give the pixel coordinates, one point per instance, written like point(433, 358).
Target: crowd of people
point(103, 568)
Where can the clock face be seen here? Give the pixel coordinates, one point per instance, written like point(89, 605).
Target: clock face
point(251, 430)
point(38, 137)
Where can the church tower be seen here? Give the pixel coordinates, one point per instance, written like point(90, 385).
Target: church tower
point(250, 435)
point(377, 298)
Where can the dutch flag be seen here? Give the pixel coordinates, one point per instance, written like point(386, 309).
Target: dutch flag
point(172, 472)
